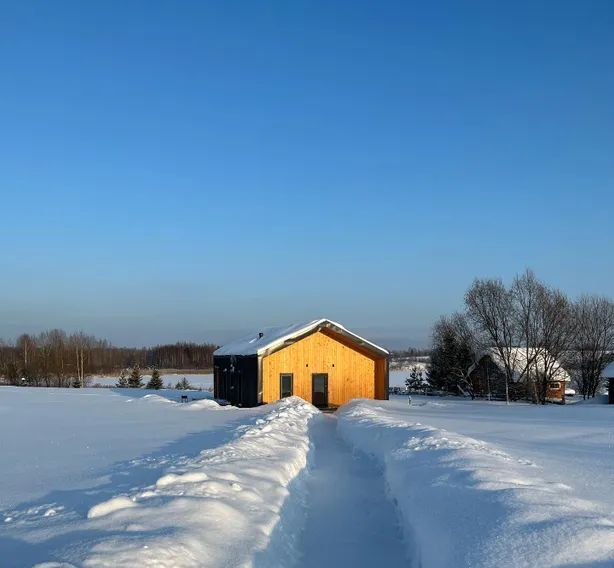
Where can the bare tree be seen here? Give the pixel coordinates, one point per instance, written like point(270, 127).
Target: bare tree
point(490, 307)
point(52, 358)
point(546, 330)
point(56, 339)
point(81, 344)
point(527, 292)
point(25, 346)
point(593, 345)
point(557, 332)
point(43, 352)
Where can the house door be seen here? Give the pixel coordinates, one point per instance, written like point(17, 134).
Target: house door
point(234, 390)
point(319, 390)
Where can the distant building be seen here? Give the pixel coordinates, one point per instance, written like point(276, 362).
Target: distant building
point(487, 374)
point(608, 376)
point(320, 361)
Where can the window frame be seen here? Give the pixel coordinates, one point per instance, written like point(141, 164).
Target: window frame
point(552, 387)
point(281, 384)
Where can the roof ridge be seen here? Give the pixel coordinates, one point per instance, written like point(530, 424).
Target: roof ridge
point(258, 342)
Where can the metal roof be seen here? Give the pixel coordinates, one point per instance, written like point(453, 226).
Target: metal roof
point(272, 339)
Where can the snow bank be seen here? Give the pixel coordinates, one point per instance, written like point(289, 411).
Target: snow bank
point(206, 404)
point(463, 502)
point(221, 508)
point(156, 398)
point(200, 404)
point(110, 506)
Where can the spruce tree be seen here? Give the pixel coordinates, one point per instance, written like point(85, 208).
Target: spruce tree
point(183, 384)
point(122, 383)
point(135, 382)
point(156, 381)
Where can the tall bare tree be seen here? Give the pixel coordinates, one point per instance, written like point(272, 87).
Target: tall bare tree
point(490, 306)
point(557, 332)
point(25, 346)
point(593, 345)
point(81, 344)
point(527, 293)
point(546, 331)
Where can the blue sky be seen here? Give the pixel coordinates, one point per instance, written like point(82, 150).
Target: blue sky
point(193, 170)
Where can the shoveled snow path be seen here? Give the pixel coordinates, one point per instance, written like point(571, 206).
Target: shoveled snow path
point(350, 521)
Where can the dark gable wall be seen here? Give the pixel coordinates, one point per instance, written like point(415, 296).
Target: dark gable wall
point(235, 379)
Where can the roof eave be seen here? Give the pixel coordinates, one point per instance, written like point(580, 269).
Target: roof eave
point(315, 326)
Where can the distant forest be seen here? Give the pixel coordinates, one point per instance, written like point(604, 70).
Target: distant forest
point(412, 352)
point(55, 358)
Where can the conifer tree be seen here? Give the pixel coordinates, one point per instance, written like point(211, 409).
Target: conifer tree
point(135, 382)
point(183, 384)
point(156, 381)
point(122, 383)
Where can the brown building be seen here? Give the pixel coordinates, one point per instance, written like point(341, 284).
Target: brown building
point(320, 361)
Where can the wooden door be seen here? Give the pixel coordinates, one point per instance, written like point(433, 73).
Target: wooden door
point(319, 389)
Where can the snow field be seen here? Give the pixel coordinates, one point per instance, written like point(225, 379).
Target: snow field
point(68, 440)
point(463, 502)
point(219, 509)
point(127, 477)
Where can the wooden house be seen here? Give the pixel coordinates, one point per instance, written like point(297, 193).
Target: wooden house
point(320, 361)
point(487, 374)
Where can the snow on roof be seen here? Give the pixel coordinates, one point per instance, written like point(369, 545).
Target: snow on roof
point(270, 337)
point(608, 372)
point(519, 357)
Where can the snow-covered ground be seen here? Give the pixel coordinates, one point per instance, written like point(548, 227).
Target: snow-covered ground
point(464, 501)
point(573, 444)
point(66, 449)
point(103, 477)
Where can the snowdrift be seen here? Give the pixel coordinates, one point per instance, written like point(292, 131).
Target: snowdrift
point(463, 502)
point(221, 508)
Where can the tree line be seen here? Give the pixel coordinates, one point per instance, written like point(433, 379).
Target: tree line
point(56, 358)
point(134, 380)
point(532, 329)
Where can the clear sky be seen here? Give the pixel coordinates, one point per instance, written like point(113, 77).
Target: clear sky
point(191, 170)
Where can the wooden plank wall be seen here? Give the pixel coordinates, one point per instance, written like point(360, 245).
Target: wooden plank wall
point(351, 371)
point(381, 369)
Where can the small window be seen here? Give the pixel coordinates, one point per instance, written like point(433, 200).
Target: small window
point(286, 384)
point(554, 386)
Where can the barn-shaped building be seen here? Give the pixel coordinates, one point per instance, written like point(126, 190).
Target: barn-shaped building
point(320, 361)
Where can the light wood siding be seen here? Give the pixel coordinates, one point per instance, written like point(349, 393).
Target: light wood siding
point(352, 371)
point(381, 372)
